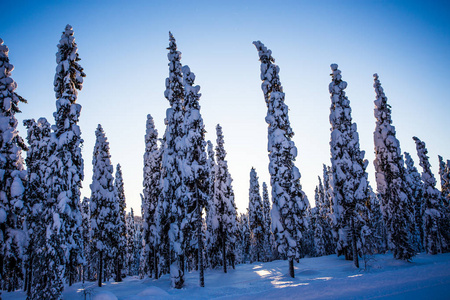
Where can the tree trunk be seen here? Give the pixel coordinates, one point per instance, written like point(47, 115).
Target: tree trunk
point(100, 268)
point(118, 270)
point(291, 268)
point(200, 245)
point(30, 277)
point(70, 270)
point(149, 263)
point(155, 260)
point(354, 248)
point(224, 255)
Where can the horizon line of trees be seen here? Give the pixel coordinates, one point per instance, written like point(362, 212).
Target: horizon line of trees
point(49, 238)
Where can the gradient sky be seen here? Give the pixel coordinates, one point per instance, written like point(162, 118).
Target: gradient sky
point(122, 46)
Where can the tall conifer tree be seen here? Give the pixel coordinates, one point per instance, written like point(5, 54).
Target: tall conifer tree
point(121, 223)
point(65, 160)
point(390, 176)
point(415, 186)
point(289, 201)
point(12, 178)
point(226, 210)
point(433, 240)
point(268, 238)
point(171, 210)
point(38, 137)
point(349, 171)
point(256, 218)
point(152, 189)
point(195, 167)
point(104, 206)
point(212, 219)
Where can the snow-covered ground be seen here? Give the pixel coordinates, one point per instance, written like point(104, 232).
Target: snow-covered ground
point(328, 277)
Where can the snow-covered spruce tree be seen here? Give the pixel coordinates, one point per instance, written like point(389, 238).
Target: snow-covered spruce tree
point(327, 206)
point(131, 245)
point(307, 243)
point(326, 194)
point(268, 236)
point(88, 266)
point(349, 172)
point(152, 180)
point(390, 176)
point(195, 169)
point(38, 136)
point(377, 242)
point(121, 224)
point(65, 159)
point(137, 243)
point(226, 210)
point(243, 239)
point(12, 179)
point(433, 241)
point(212, 222)
point(414, 181)
point(319, 242)
point(256, 219)
point(444, 174)
point(171, 211)
point(289, 201)
point(104, 206)
point(323, 239)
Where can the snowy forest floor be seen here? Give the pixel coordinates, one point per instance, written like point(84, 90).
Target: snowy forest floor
point(327, 277)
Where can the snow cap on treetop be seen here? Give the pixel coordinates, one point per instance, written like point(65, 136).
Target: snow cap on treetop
point(68, 30)
point(263, 51)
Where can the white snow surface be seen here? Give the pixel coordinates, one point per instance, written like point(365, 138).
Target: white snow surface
point(326, 277)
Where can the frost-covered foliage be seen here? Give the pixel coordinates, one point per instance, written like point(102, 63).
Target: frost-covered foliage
point(444, 174)
point(323, 238)
point(38, 137)
point(390, 176)
point(133, 245)
point(212, 219)
point(152, 189)
point(89, 267)
point(12, 179)
point(289, 201)
point(226, 209)
point(415, 186)
point(121, 224)
point(104, 206)
point(374, 233)
point(268, 235)
point(349, 172)
point(243, 239)
point(194, 172)
point(433, 217)
point(171, 210)
point(319, 242)
point(256, 219)
point(65, 159)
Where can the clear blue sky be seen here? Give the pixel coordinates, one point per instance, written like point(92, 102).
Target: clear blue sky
point(123, 50)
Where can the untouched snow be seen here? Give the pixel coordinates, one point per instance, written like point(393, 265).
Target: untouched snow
point(327, 277)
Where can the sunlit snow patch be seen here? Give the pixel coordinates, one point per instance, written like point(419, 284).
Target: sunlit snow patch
point(357, 275)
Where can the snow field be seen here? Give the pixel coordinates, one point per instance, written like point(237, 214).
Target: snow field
point(326, 277)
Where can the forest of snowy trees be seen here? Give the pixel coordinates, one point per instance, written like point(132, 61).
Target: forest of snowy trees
point(49, 238)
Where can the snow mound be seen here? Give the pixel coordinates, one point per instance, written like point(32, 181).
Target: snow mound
point(153, 291)
point(105, 296)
